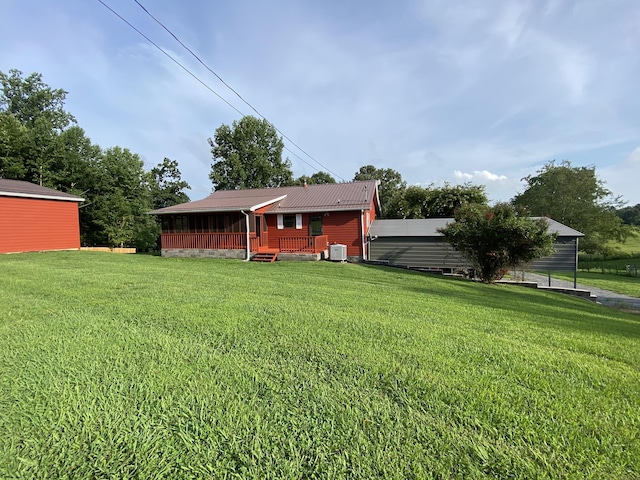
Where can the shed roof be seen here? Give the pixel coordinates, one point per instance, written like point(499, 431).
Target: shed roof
point(297, 199)
point(428, 227)
point(18, 188)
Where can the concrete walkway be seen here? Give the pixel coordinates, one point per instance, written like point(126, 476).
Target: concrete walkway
point(605, 297)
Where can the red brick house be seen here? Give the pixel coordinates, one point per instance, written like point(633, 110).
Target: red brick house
point(35, 218)
point(300, 221)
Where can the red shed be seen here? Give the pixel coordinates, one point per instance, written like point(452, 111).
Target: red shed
point(35, 218)
point(299, 222)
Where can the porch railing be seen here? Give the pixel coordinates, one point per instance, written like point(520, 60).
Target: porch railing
point(238, 241)
point(235, 241)
point(303, 244)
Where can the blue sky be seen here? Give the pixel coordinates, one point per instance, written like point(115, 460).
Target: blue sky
point(483, 91)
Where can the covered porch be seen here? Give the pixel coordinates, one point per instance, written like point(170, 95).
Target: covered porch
point(238, 241)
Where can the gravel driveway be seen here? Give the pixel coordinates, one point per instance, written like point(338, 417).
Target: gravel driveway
point(605, 297)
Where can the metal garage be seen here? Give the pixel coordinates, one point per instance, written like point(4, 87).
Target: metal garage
point(418, 244)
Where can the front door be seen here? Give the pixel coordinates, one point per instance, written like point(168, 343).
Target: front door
point(315, 226)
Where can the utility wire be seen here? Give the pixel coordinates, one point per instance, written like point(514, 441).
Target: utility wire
point(231, 88)
point(173, 59)
point(200, 81)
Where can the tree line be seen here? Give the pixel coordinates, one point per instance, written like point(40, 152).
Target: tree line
point(42, 143)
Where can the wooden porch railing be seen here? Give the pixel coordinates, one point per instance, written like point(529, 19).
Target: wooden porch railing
point(304, 244)
point(254, 243)
point(238, 241)
point(235, 241)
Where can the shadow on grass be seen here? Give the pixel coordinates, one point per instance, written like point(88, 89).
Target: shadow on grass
point(556, 310)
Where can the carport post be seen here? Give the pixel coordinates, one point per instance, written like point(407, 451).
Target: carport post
point(575, 268)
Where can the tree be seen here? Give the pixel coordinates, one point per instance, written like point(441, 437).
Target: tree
point(441, 202)
point(630, 215)
point(248, 155)
point(497, 238)
point(167, 186)
point(576, 197)
point(72, 159)
point(318, 178)
point(40, 110)
point(31, 100)
point(118, 202)
point(14, 141)
point(390, 190)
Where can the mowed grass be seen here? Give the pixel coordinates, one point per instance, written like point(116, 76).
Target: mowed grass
point(145, 367)
point(624, 284)
point(630, 246)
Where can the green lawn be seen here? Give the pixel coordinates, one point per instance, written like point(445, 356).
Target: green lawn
point(625, 284)
point(630, 246)
point(117, 366)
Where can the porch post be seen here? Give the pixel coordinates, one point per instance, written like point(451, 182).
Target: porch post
point(246, 218)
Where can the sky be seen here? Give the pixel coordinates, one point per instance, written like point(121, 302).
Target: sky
point(485, 91)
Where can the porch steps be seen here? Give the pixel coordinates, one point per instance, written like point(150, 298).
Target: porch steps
point(265, 257)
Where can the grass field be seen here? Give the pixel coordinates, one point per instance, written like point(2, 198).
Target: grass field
point(145, 367)
point(630, 246)
point(624, 284)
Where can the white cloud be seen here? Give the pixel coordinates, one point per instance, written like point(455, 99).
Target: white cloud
point(462, 176)
point(479, 176)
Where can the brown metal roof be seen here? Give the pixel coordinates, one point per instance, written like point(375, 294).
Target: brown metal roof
point(298, 199)
point(18, 188)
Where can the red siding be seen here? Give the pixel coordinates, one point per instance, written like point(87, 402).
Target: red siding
point(340, 227)
point(29, 225)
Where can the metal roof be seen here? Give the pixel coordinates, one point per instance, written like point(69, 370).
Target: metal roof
point(423, 227)
point(297, 199)
point(428, 227)
point(560, 229)
point(18, 188)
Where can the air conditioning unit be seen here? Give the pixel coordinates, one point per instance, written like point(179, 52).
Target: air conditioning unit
point(338, 253)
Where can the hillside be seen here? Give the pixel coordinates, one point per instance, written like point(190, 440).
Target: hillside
point(147, 367)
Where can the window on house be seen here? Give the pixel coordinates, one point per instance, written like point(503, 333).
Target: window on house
point(289, 221)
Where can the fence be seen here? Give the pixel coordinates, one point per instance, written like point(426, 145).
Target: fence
point(109, 249)
point(630, 269)
point(618, 265)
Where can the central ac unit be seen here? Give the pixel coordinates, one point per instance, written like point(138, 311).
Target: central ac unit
point(338, 253)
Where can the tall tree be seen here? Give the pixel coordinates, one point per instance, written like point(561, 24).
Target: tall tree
point(318, 178)
point(497, 238)
point(40, 109)
point(441, 202)
point(14, 145)
point(72, 160)
point(119, 201)
point(248, 155)
point(390, 190)
point(167, 186)
point(31, 100)
point(576, 197)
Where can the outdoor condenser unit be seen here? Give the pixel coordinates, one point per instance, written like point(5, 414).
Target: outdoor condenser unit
point(338, 253)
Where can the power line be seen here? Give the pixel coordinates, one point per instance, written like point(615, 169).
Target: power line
point(201, 81)
point(231, 88)
point(173, 59)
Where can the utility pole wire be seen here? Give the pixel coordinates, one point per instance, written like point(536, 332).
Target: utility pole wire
point(198, 79)
point(231, 88)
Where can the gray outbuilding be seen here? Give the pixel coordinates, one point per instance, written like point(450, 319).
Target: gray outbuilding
point(418, 244)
